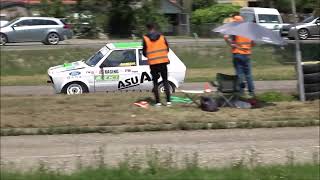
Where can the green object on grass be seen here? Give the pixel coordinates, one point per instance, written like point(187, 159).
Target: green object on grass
point(180, 99)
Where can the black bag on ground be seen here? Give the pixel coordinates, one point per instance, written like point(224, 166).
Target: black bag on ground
point(208, 104)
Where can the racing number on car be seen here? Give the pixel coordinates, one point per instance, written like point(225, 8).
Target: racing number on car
point(134, 81)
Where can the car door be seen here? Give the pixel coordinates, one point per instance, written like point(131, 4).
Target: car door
point(38, 29)
point(119, 71)
point(144, 71)
point(21, 30)
point(315, 28)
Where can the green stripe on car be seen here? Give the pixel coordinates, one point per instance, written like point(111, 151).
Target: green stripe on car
point(127, 45)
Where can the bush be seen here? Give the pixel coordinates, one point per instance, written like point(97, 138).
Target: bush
point(214, 14)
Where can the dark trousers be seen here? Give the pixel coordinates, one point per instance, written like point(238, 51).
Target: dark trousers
point(242, 66)
point(156, 71)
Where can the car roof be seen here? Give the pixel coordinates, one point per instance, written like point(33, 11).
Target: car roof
point(47, 18)
point(124, 45)
point(259, 10)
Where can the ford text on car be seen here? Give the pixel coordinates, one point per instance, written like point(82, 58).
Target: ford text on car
point(115, 67)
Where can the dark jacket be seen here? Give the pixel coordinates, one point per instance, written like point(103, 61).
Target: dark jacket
point(153, 37)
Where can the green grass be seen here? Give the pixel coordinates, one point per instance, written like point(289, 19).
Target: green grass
point(111, 112)
point(203, 62)
point(273, 172)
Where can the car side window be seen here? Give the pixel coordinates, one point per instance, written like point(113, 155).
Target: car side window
point(37, 22)
point(49, 22)
point(24, 23)
point(121, 58)
point(142, 59)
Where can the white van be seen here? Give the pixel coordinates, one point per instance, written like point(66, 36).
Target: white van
point(267, 17)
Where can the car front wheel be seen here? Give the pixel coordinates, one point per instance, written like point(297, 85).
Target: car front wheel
point(303, 34)
point(3, 39)
point(53, 39)
point(75, 88)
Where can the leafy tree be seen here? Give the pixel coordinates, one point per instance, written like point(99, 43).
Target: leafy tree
point(54, 9)
point(302, 6)
point(121, 18)
point(148, 13)
point(214, 14)
point(200, 4)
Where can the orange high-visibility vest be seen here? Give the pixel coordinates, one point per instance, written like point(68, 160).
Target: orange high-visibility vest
point(157, 51)
point(244, 45)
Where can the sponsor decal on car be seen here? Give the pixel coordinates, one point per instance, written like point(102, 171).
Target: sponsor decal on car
point(111, 71)
point(128, 64)
point(134, 81)
point(75, 73)
point(113, 77)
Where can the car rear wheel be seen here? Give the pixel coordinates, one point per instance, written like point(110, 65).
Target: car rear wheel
point(75, 88)
point(171, 87)
point(53, 39)
point(3, 39)
point(303, 34)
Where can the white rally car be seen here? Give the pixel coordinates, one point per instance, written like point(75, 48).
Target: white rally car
point(116, 66)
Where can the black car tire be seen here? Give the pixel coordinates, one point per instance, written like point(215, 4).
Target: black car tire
point(172, 87)
point(52, 39)
point(311, 68)
point(3, 39)
point(312, 78)
point(310, 88)
point(73, 88)
point(312, 96)
point(303, 34)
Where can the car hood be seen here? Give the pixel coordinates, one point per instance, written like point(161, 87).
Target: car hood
point(67, 67)
point(292, 25)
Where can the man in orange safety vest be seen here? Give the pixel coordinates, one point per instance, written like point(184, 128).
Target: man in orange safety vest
point(241, 50)
point(156, 49)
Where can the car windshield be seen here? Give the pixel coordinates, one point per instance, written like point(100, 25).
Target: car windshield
point(248, 17)
point(267, 18)
point(308, 20)
point(12, 21)
point(93, 60)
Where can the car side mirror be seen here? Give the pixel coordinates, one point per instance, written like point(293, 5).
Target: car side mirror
point(13, 26)
point(102, 66)
point(318, 22)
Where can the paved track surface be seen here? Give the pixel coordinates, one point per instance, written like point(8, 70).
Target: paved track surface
point(284, 86)
point(214, 147)
point(98, 43)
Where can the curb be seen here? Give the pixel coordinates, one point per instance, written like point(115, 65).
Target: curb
point(160, 127)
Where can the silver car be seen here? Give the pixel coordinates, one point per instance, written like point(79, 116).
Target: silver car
point(308, 28)
point(49, 31)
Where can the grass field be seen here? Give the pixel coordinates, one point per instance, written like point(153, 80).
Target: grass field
point(203, 62)
point(117, 109)
point(274, 172)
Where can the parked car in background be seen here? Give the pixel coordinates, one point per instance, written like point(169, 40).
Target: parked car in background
point(269, 18)
point(115, 67)
point(49, 31)
point(310, 27)
point(3, 20)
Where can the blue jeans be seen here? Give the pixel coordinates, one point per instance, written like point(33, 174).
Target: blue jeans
point(242, 65)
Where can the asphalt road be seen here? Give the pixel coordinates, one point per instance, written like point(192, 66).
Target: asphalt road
point(261, 86)
point(214, 147)
point(97, 44)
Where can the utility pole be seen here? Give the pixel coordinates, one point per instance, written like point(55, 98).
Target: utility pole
point(298, 55)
